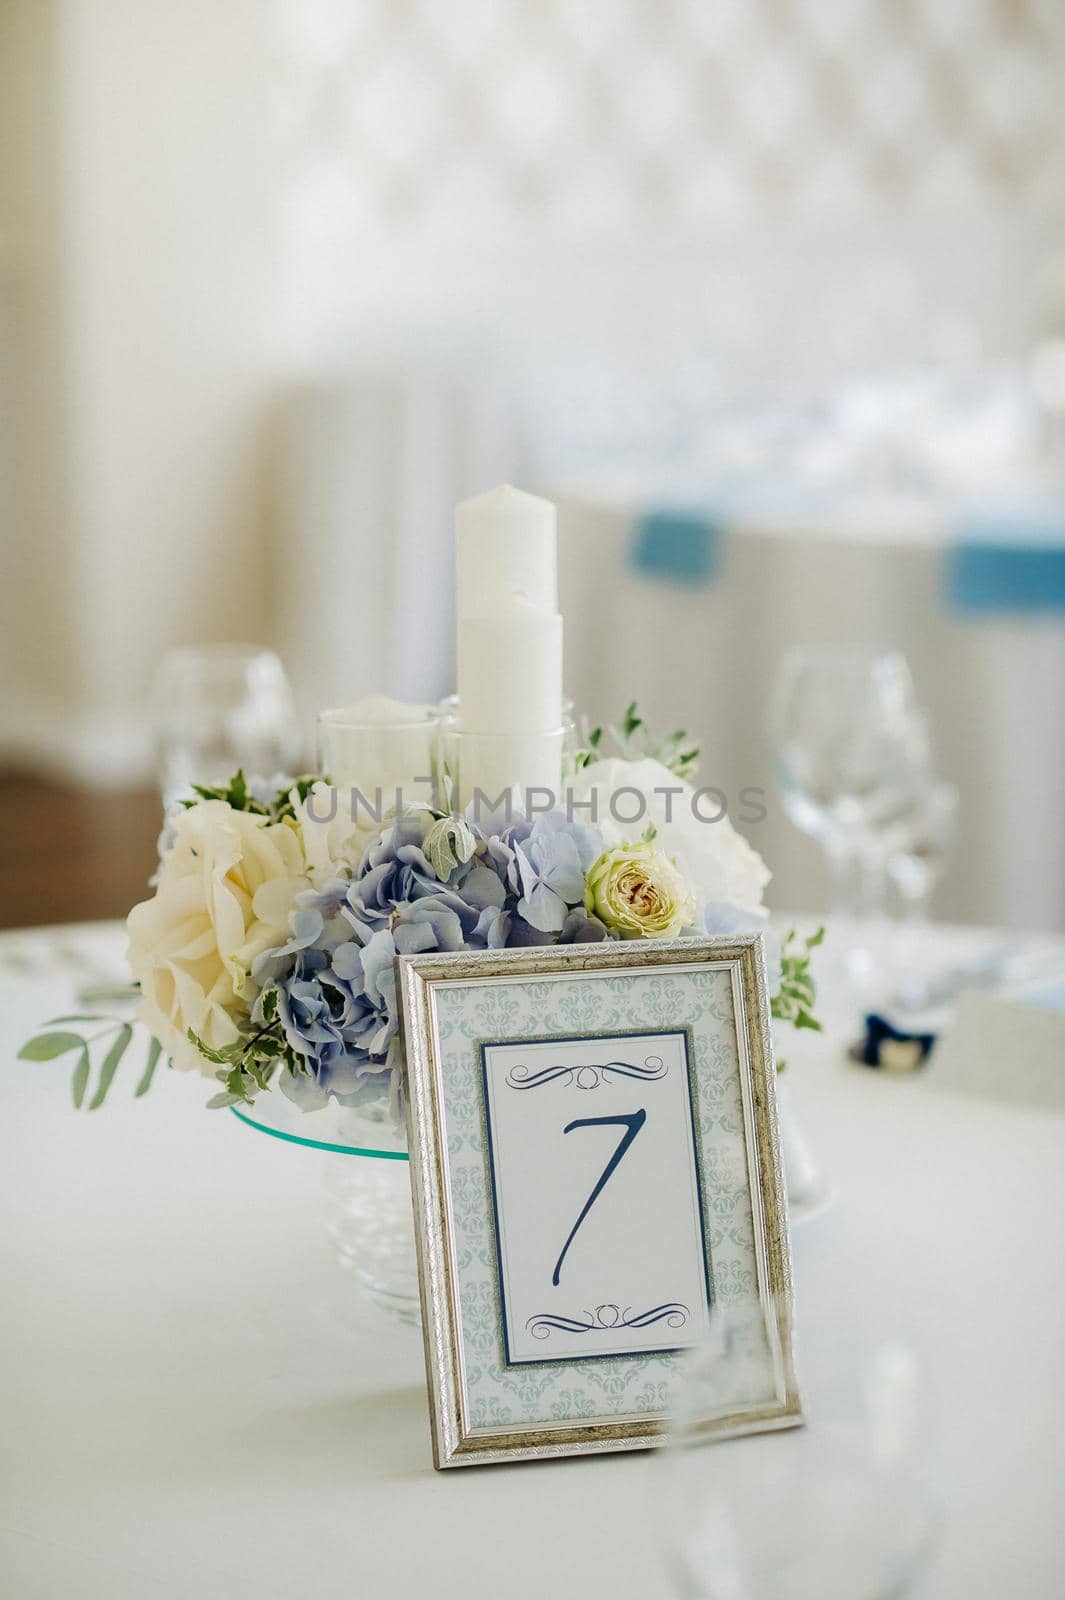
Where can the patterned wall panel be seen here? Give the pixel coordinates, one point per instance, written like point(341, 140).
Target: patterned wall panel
point(594, 115)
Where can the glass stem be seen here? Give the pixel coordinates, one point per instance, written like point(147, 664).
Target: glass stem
point(848, 889)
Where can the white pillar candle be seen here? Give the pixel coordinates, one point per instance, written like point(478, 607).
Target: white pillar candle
point(505, 543)
point(510, 668)
point(509, 643)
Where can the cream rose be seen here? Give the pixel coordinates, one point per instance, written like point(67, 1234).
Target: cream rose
point(224, 894)
point(715, 860)
point(333, 842)
point(639, 893)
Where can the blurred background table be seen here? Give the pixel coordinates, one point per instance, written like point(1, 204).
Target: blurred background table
point(190, 1410)
point(694, 593)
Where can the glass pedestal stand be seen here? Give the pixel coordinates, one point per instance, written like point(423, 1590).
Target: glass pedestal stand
point(369, 1215)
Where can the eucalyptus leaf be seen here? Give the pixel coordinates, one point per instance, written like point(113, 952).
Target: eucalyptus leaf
point(79, 1082)
point(47, 1046)
point(110, 1066)
point(155, 1050)
point(83, 1016)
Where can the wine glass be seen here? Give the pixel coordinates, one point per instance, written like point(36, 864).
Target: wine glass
point(220, 707)
point(843, 1508)
point(853, 761)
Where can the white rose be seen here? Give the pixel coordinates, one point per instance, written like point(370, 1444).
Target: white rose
point(332, 843)
point(716, 860)
point(224, 893)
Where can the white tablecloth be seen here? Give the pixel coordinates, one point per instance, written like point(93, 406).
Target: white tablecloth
point(188, 1414)
point(704, 656)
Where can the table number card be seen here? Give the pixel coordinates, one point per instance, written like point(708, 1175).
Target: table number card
point(596, 1198)
point(595, 1167)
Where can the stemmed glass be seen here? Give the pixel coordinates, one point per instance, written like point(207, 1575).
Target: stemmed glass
point(220, 707)
point(852, 761)
point(843, 1508)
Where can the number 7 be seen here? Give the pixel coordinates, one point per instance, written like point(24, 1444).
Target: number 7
point(632, 1123)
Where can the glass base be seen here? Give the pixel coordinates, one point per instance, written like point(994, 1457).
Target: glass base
point(370, 1223)
point(369, 1212)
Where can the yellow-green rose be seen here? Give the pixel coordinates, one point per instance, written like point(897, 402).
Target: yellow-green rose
point(638, 892)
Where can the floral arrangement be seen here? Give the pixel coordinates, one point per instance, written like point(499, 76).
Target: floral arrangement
point(264, 958)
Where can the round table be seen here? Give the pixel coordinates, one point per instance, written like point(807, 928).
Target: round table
point(190, 1410)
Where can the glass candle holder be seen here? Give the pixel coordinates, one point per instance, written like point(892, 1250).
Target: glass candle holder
point(499, 771)
point(391, 763)
point(494, 765)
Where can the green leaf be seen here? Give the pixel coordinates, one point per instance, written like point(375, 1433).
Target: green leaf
point(283, 808)
point(261, 1074)
point(803, 1019)
point(85, 1016)
point(219, 1057)
point(110, 1066)
point(631, 720)
point(217, 1101)
point(815, 939)
point(236, 1082)
point(234, 794)
point(155, 1050)
point(47, 1046)
point(80, 1080)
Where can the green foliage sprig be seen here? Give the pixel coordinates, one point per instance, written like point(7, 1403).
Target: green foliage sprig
point(50, 1046)
point(248, 1066)
point(280, 806)
point(794, 1001)
point(632, 740)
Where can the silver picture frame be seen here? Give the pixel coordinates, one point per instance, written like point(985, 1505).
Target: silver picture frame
point(426, 984)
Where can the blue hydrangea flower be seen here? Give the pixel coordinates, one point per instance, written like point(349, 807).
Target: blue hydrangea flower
point(328, 1022)
point(548, 867)
point(334, 976)
point(335, 1002)
point(580, 927)
point(501, 928)
point(393, 870)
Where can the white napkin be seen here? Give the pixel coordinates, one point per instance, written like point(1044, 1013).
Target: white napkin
point(1012, 1050)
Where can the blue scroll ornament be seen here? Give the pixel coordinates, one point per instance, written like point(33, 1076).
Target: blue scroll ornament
point(607, 1318)
point(586, 1076)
